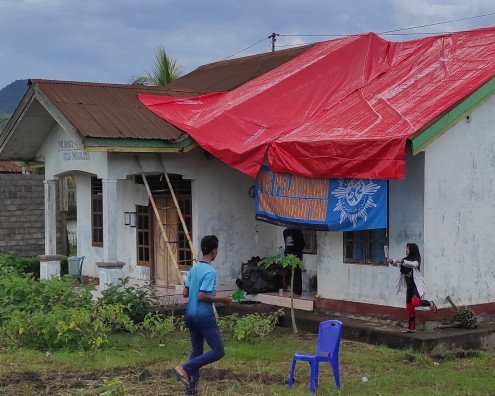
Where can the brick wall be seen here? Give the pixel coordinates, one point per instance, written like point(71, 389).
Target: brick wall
point(22, 216)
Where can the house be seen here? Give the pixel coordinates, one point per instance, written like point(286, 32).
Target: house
point(437, 149)
point(95, 131)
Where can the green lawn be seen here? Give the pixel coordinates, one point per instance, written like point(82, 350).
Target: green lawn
point(140, 367)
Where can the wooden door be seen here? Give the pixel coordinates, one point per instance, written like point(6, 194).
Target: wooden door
point(165, 272)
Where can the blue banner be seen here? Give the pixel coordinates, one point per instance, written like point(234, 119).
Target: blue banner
point(323, 204)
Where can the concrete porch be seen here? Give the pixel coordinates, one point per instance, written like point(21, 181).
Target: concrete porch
point(432, 342)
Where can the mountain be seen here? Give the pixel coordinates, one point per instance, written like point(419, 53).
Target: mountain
point(11, 95)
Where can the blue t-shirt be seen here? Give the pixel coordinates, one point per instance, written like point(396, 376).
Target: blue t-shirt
point(201, 277)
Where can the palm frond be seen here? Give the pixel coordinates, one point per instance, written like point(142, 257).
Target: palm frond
point(164, 71)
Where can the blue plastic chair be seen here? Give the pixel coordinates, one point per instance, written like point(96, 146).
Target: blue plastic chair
point(327, 350)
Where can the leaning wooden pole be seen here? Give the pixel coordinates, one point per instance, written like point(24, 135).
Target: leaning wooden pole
point(160, 223)
point(183, 222)
point(176, 203)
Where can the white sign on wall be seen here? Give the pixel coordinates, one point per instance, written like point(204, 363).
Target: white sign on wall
point(71, 151)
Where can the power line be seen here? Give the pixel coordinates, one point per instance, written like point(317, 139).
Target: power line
point(393, 32)
point(244, 49)
point(438, 23)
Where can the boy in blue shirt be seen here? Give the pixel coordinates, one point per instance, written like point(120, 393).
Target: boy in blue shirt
point(200, 288)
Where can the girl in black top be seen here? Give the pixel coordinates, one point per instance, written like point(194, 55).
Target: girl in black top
point(409, 269)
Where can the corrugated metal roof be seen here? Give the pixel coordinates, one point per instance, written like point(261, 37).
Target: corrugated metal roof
point(113, 110)
point(107, 110)
point(9, 167)
point(230, 74)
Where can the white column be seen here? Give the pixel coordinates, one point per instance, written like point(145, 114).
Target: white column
point(110, 220)
point(50, 217)
point(110, 270)
point(50, 262)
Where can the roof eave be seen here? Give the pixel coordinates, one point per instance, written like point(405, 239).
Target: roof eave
point(447, 120)
point(137, 145)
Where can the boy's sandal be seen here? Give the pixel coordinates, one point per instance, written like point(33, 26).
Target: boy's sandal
point(433, 307)
point(181, 378)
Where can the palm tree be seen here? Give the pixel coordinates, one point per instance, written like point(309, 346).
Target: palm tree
point(164, 71)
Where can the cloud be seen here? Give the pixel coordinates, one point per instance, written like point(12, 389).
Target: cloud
point(113, 40)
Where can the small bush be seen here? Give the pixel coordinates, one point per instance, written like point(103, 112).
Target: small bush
point(73, 328)
point(249, 327)
point(23, 265)
point(137, 301)
point(28, 265)
point(61, 327)
point(157, 326)
point(19, 292)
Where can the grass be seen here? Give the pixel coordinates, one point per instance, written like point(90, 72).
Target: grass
point(141, 367)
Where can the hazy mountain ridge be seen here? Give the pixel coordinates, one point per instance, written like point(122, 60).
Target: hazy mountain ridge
point(11, 95)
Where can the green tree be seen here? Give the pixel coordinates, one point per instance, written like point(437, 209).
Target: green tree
point(290, 261)
point(165, 70)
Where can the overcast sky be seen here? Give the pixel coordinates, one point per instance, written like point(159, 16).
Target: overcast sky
point(113, 40)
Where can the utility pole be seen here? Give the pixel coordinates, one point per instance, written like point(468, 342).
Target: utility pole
point(273, 36)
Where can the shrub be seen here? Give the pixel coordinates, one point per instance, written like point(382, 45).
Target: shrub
point(28, 265)
point(23, 293)
point(137, 301)
point(251, 326)
point(157, 326)
point(73, 328)
point(62, 327)
point(23, 265)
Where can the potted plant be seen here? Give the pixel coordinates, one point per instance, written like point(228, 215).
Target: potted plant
point(290, 261)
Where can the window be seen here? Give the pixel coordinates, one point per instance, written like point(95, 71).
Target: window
point(309, 241)
point(143, 235)
point(185, 254)
point(96, 212)
point(365, 247)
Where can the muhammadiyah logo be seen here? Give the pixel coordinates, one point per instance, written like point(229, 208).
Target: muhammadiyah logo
point(354, 198)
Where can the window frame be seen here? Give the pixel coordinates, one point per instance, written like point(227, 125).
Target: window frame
point(367, 240)
point(141, 213)
point(96, 212)
point(184, 252)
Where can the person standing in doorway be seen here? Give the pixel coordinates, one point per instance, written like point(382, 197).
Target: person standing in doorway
point(200, 288)
point(294, 244)
point(414, 283)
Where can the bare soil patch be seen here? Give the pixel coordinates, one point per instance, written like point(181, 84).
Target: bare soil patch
point(137, 381)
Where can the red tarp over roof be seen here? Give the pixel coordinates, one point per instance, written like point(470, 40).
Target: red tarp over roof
point(343, 108)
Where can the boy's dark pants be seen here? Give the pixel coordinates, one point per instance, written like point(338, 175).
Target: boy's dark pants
point(200, 330)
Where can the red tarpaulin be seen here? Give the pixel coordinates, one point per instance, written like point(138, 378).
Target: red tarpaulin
point(343, 108)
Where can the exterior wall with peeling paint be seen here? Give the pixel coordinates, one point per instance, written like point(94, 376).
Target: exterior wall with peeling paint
point(375, 284)
point(460, 210)
point(220, 202)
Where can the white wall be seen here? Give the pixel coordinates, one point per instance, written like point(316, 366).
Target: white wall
point(61, 153)
point(84, 245)
point(220, 205)
point(375, 284)
point(460, 210)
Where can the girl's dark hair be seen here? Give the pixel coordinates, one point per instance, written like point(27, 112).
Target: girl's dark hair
point(413, 253)
point(209, 243)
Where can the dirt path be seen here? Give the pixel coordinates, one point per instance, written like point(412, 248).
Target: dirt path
point(136, 380)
